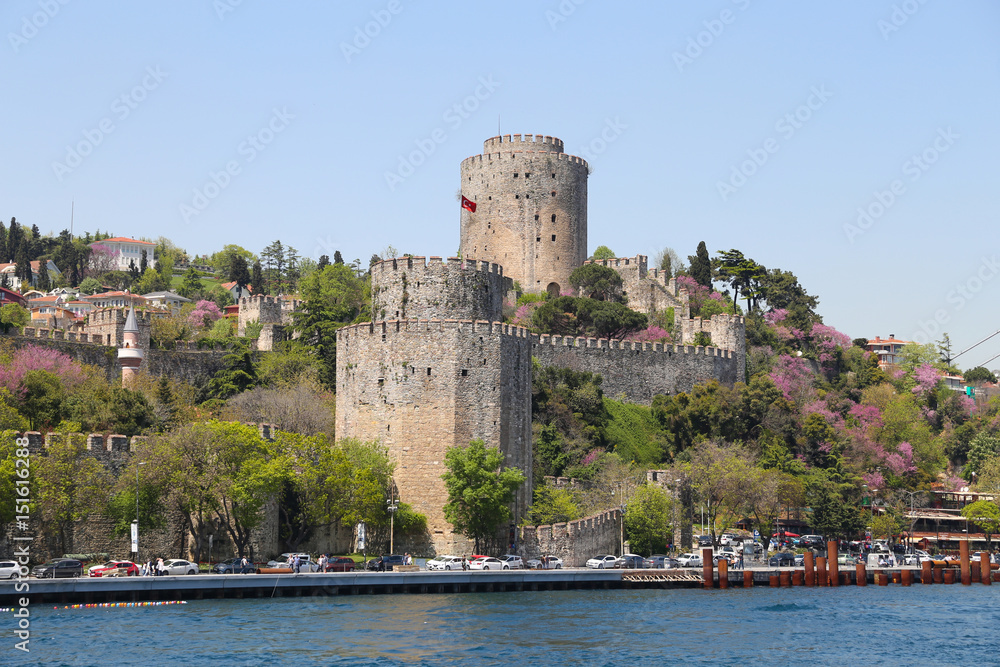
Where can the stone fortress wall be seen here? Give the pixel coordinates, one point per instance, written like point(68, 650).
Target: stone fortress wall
point(531, 213)
point(648, 291)
point(458, 288)
point(274, 315)
point(424, 386)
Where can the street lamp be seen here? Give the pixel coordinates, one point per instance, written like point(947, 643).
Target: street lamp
point(135, 532)
point(392, 504)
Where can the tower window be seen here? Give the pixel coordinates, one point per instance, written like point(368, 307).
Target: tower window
point(465, 372)
point(553, 175)
point(527, 196)
point(428, 371)
point(527, 175)
point(536, 218)
point(538, 239)
point(553, 193)
point(553, 217)
point(553, 237)
point(515, 175)
point(517, 196)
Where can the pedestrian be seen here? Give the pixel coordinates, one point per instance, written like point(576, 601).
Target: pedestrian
point(296, 564)
point(465, 562)
point(160, 569)
point(244, 565)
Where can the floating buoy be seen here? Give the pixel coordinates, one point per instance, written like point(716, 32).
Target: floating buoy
point(97, 605)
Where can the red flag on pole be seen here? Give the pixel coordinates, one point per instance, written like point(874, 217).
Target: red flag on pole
point(468, 204)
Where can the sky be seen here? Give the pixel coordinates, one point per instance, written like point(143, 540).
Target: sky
point(854, 143)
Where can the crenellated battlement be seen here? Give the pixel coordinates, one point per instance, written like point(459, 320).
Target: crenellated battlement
point(628, 345)
point(490, 158)
point(537, 142)
point(472, 327)
point(419, 263)
point(639, 263)
point(100, 443)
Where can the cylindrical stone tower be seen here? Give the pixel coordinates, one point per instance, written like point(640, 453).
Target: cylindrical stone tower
point(531, 210)
point(130, 355)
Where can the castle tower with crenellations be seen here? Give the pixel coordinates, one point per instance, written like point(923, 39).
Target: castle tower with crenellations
point(455, 289)
point(531, 210)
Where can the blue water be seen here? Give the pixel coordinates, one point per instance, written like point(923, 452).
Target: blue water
point(939, 625)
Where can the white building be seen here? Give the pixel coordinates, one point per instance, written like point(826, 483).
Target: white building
point(126, 250)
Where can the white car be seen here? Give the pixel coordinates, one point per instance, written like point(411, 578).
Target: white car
point(8, 569)
point(602, 562)
point(179, 566)
point(690, 559)
point(306, 563)
point(546, 563)
point(488, 563)
point(513, 561)
point(445, 563)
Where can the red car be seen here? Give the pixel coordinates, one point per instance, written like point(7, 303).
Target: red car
point(115, 568)
point(340, 564)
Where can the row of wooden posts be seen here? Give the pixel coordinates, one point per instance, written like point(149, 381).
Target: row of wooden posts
point(825, 571)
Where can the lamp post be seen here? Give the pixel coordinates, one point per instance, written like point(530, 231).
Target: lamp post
point(392, 504)
point(135, 532)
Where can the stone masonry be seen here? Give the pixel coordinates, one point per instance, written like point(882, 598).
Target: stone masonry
point(410, 287)
point(422, 387)
point(531, 209)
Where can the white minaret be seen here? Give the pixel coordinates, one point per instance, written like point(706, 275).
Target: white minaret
point(130, 355)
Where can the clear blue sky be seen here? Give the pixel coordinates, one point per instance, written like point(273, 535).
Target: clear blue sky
point(163, 95)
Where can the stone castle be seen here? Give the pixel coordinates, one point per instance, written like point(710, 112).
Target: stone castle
point(437, 367)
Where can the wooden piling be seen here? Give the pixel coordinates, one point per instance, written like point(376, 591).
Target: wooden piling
point(821, 571)
point(925, 572)
point(938, 575)
point(785, 578)
point(723, 573)
point(747, 579)
point(984, 567)
point(949, 576)
point(860, 574)
point(882, 578)
point(906, 577)
point(797, 578)
point(963, 557)
point(707, 571)
point(774, 581)
point(809, 569)
point(831, 563)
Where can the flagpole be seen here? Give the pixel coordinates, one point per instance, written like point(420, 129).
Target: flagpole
point(498, 125)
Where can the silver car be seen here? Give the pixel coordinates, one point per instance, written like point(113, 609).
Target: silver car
point(602, 562)
point(179, 566)
point(8, 569)
point(513, 562)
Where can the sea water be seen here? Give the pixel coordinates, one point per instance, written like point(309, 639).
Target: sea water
point(920, 625)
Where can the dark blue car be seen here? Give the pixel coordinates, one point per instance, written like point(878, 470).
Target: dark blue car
point(234, 566)
point(783, 559)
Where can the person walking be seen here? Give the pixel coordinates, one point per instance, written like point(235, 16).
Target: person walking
point(296, 564)
point(160, 569)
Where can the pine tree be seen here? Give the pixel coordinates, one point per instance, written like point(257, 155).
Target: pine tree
point(337, 257)
point(3, 243)
point(22, 269)
point(257, 280)
point(143, 262)
point(44, 282)
point(239, 273)
point(324, 260)
point(701, 266)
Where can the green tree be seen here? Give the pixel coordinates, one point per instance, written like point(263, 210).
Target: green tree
point(332, 297)
point(239, 272)
point(979, 374)
point(238, 374)
point(90, 286)
point(43, 398)
point(257, 285)
point(68, 484)
point(44, 280)
point(13, 315)
point(648, 520)
point(480, 493)
point(191, 287)
point(603, 252)
point(888, 524)
point(596, 281)
point(552, 505)
point(701, 266)
point(986, 515)
point(742, 274)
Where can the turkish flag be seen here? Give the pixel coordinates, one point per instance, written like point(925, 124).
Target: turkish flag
point(468, 204)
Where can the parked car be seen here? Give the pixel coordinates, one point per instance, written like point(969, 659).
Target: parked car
point(127, 567)
point(782, 559)
point(630, 562)
point(385, 563)
point(728, 557)
point(546, 563)
point(704, 540)
point(488, 563)
point(234, 566)
point(340, 564)
point(445, 563)
point(690, 559)
point(58, 568)
point(176, 566)
point(602, 562)
point(658, 561)
point(812, 541)
point(306, 563)
point(514, 562)
point(727, 539)
point(9, 569)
